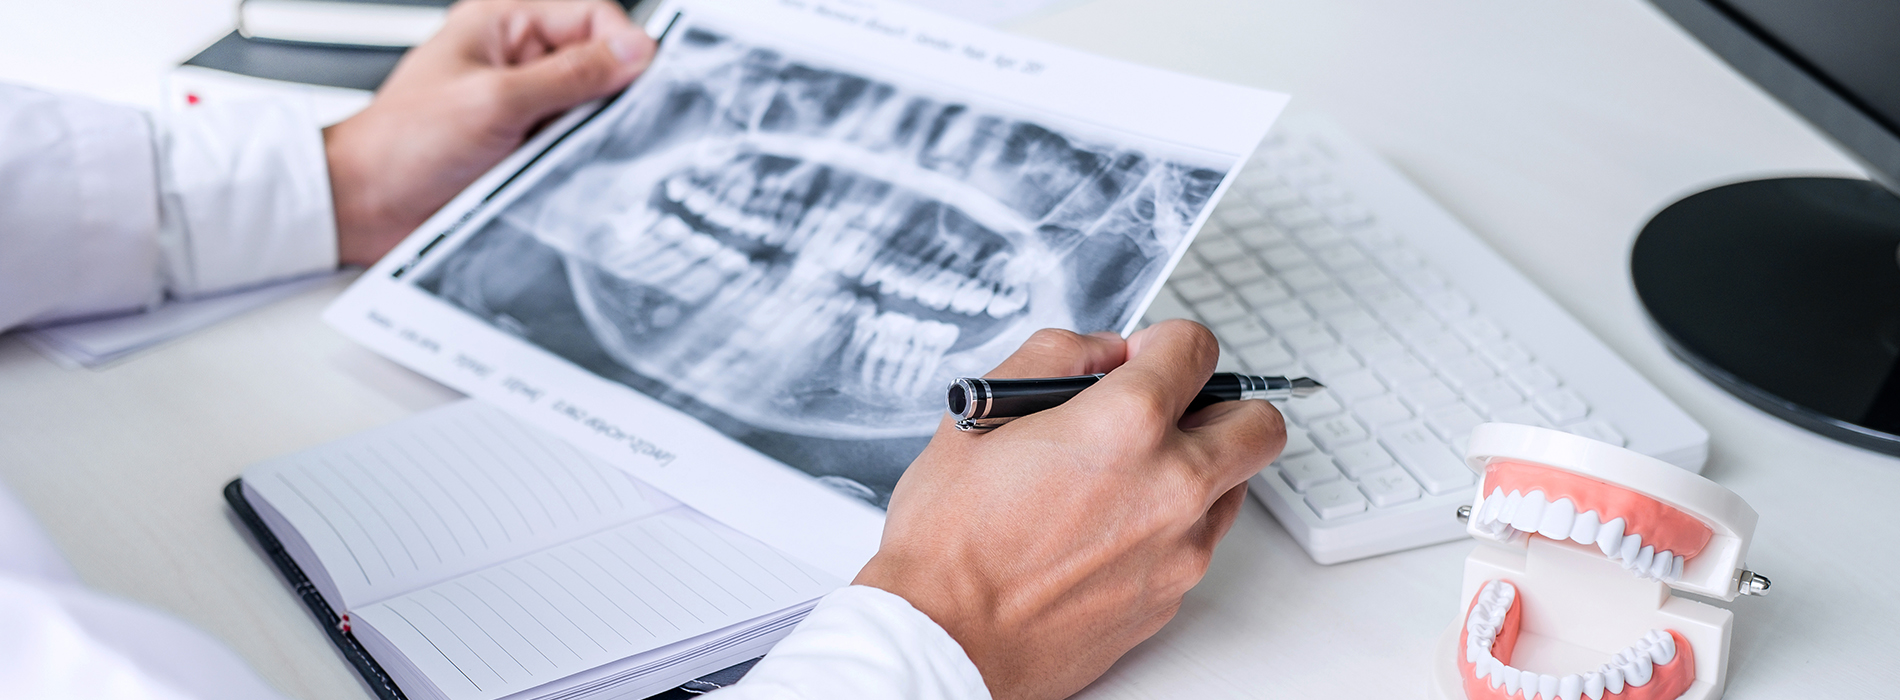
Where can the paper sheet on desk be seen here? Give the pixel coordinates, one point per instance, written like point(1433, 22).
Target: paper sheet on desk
point(104, 341)
point(748, 279)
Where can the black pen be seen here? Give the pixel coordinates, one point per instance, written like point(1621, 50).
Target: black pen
point(982, 404)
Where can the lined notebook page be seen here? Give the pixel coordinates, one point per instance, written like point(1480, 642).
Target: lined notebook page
point(594, 601)
point(444, 493)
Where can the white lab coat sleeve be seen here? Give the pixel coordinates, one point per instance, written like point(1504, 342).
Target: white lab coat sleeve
point(862, 642)
point(101, 212)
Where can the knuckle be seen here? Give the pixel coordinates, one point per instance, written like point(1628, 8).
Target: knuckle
point(1055, 342)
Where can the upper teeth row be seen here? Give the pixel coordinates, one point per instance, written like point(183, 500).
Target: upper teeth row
point(944, 289)
point(1634, 666)
point(1559, 520)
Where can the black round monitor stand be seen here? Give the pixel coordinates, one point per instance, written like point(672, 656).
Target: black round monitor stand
point(1786, 293)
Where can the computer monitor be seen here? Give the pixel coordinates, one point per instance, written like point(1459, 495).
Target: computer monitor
point(1786, 292)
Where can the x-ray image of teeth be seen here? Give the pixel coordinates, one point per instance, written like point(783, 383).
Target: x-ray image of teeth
point(804, 257)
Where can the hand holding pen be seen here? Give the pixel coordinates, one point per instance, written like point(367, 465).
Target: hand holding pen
point(1090, 519)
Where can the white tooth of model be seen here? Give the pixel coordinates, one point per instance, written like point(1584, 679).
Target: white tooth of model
point(1584, 531)
point(1593, 685)
point(1547, 686)
point(1558, 518)
point(1570, 687)
point(1631, 545)
point(1612, 678)
point(1659, 568)
point(1530, 512)
point(1644, 557)
point(1511, 504)
point(1610, 538)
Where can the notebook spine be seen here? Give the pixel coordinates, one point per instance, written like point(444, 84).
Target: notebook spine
point(336, 627)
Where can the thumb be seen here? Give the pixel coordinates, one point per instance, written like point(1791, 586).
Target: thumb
point(1053, 352)
point(576, 73)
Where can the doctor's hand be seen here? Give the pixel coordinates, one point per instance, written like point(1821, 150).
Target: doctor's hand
point(1051, 546)
point(462, 101)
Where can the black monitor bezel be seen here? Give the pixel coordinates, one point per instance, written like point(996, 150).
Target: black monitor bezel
point(1792, 80)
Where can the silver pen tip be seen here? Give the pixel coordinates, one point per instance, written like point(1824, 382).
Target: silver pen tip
point(1305, 386)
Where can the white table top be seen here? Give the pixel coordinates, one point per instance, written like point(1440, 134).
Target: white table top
point(1553, 129)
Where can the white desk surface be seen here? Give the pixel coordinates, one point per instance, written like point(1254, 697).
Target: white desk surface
point(1553, 128)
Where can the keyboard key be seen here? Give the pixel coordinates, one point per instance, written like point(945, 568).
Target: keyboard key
point(1354, 386)
point(1360, 459)
point(1297, 216)
point(1189, 266)
point(1238, 215)
point(1560, 406)
point(1521, 414)
point(1383, 410)
point(1414, 328)
point(1312, 408)
point(1308, 338)
point(1505, 354)
point(1453, 421)
point(1380, 292)
point(1304, 279)
point(1229, 361)
point(1329, 299)
point(1221, 309)
point(1286, 257)
point(1533, 378)
point(1422, 280)
point(1297, 443)
point(1447, 304)
point(1263, 293)
point(1264, 356)
point(1426, 393)
point(1336, 500)
point(1198, 287)
point(1331, 362)
point(1242, 271)
point(1328, 195)
point(1400, 257)
point(1493, 397)
point(1243, 332)
point(1319, 235)
point(1219, 250)
point(1262, 236)
point(1287, 315)
point(1400, 370)
point(1342, 257)
point(1478, 330)
point(1165, 306)
point(1374, 344)
point(1354, 322)
point(1367, 277)
point(1426, 458)
point(1334, 432)
point(1349, 214)
point(1389, 488)
point(1465, 372)
point(1599, 431)
point(1308, 470)
point(1281, 197)
point(1442, 348)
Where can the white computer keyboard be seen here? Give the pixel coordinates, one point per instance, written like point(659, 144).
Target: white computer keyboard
point(1322, 260)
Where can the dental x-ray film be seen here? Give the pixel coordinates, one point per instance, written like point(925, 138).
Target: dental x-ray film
point(797, 237)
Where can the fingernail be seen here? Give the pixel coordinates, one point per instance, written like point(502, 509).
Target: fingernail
point(627, 49)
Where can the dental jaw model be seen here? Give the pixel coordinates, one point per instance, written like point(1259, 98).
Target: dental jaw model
point(1568, 594)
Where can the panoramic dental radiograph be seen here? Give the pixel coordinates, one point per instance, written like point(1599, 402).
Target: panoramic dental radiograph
point(1570, 592)
point(803, 256)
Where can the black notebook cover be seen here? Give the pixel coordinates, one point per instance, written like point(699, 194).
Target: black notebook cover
point(353, 651)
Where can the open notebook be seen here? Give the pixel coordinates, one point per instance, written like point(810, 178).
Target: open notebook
point(474, 557)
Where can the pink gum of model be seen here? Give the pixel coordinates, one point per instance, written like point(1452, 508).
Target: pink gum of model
point(1660, 525)
point(1667, 682)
